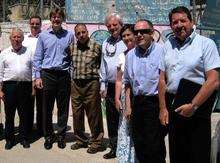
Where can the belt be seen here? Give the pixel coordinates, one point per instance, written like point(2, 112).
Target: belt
point(143, 97)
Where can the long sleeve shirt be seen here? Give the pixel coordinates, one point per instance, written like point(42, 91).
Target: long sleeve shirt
point(52, 51)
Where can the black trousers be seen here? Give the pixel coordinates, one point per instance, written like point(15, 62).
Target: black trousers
point(39, 109)
point(17, 96)
point(189, 139)
point(147, 132)
point(112, 116)
point(56, 86)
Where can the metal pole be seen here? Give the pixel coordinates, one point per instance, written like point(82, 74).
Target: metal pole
point(3, 10)
point(194, 11)
point(41, 8)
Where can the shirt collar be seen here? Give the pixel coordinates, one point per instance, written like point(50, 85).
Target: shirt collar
point(148, 51)
point(187, 42)
point(50, 30)
point(21, 51)
point(30, 35)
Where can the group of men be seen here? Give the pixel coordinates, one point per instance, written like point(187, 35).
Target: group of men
point(51, 66)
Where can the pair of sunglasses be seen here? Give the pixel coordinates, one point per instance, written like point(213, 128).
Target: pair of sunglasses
point(142, 31)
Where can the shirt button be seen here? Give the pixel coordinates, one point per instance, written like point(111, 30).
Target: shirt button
point(142, 82)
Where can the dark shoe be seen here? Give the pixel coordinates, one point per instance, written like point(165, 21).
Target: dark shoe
point(78, 146)
point(93, 150)
point(9, 144)
point(111, 154)
point(61, 142)
point(48, 144)
point(25, 144)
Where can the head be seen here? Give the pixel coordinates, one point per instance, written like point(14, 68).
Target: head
point(16, 38)
point(114, 24)
point(127, 35)
point(56, 17)
point(35, 25)
point(143, 31)
point(81, 33)
point(181, 22)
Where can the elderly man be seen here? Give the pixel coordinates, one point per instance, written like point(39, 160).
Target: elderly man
point(16, 87)
point(188, 58)
point(30, 41)
point(52, 74)
point(86, 60)
point(141, 75)
point(111, 49)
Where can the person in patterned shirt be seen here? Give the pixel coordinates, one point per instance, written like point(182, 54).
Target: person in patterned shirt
point(85, 97)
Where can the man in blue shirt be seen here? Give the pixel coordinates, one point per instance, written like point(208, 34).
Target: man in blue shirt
point(190, 56)
point(111, 49)
point(52, 74)
point(141, 76)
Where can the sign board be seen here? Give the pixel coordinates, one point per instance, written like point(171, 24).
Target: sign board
point(94, 11)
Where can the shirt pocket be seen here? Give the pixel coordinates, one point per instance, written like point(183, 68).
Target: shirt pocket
point(152, 71)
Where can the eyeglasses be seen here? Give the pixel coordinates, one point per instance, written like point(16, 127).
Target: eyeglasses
point(142, 31)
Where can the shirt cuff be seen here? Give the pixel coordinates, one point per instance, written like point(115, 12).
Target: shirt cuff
point(102, 88)
point(37, 75)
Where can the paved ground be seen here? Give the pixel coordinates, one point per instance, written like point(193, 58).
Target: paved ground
point(37, 153)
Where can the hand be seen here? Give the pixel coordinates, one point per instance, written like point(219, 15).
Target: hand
point(164, 116)
point(2, 95)
point(117, 104)
point(39, 83)
point(103, 93)
point(127, 113)
point(185, 110)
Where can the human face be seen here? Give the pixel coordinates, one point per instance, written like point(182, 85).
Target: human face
point(56, 20)
point(114, 27)
point(143, 34)
point(181, 25)
point(128, 38)
point(35, 26)
point(16, 39)
point(81, 34)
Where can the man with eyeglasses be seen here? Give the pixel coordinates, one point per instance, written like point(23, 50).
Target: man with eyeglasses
point(141, 76)
point(52, 74)
point(111, 48)
point(30, 41)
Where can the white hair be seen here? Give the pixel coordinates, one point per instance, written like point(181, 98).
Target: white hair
point(116, 15)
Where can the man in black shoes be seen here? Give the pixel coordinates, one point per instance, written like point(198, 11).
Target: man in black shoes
point(85, 97)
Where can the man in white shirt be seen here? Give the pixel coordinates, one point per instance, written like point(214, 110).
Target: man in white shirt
point(30, 41)
point(16, 87)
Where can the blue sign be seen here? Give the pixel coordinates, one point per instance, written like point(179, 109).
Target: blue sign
point(94, 11)
point(155, 10)
point(211, 17)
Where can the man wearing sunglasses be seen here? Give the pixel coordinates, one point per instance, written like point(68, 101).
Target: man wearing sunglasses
point(30, 41)
point(141, 76)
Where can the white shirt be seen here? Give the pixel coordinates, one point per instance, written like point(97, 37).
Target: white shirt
point(30, 42)
point(16, 66)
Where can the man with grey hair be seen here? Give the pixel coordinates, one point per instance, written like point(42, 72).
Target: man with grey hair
point(111, 48)
point(16, 87)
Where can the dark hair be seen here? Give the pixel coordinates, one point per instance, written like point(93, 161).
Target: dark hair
point(57, 11)
point(80, 24)
point(130, 27)
point(35, 17)
point(180, 9)
point(146, 20)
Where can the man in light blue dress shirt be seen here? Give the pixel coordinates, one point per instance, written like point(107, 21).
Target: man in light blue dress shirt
point(141, 76)
point(190, 56)
point(52, 74)
point(111, 49)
